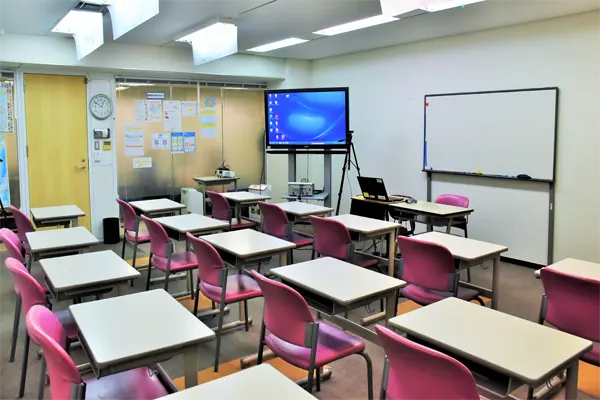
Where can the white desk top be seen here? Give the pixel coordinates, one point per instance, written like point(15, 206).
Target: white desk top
point(337, 280)
point(247, 242)
point(463, 248)
point(508, 344)
point(127, 327)
point(213, 179)
point(260, 382)
point(86, 269)
point(572, 266)
point(240, 197)
point(365, 225)
point(156, 205)
point(192, 223)
point(427, 207)
point(45, 213)
point(300, 209)
point(57, 239)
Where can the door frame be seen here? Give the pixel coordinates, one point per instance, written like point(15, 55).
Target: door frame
point(21, 114)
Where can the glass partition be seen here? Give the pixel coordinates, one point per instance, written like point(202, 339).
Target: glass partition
point(9, 170)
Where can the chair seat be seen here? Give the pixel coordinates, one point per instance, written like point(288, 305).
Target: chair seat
point(364, 261)
point(181, 261)
point(593, 356)
point(332, 344)
point(238, 223)
point(68, 323)
point(424, 296)
point(140, 383)
point(301, 241)
point(143, 235)
point(239, 287)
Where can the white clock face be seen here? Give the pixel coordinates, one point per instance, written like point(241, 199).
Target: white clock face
point(101, 106)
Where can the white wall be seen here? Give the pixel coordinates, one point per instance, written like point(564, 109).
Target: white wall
point(386, 96)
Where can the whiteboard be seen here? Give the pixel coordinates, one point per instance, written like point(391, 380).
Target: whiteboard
point(497, 134)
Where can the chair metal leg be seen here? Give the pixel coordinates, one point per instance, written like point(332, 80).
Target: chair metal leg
point(312, 254)
point(15, 332)
point(24, 366)
point(149, 273)
point(167, 273)
point(135, 246)
point(42, 383)
point(219, 329)
point(191, 281)
point(123, 248)
point(309, 381)
point(261, 344)
point(480, 301)
point(381, 305)
point(318, 373)
point(529, 393)
point(369, 373)
point(197, 296)
point(291, 256)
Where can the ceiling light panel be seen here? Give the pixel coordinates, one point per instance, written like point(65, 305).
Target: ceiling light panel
point(439, 5)
point(355, 25)
point(127, 14)
point(277, 45)
point(212, 42)
point(86, 28)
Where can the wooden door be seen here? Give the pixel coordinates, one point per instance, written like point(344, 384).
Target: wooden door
point(57, 142)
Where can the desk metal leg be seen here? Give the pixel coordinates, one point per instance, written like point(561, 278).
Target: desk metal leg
point(391, 252)
point(122, 290)
point(571, 386)
point(449, 226)
point(191, 367)
point(495, 282)
point(391, 306)
point(74, 222)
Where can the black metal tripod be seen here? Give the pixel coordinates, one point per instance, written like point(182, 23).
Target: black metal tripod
point(350, 152)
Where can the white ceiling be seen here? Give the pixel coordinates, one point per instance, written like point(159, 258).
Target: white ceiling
point(265, 21)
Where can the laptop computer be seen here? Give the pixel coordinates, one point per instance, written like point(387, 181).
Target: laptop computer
point(374, 189)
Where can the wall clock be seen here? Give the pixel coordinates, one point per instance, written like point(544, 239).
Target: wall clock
point(101, 106)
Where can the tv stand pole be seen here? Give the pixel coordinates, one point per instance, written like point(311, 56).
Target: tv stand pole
point(350, 153)
point(326, 175)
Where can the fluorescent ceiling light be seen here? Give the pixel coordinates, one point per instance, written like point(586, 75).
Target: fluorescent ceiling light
point(439, 5)
point(396, 8)
point(135, 84)
point(127, 14)
point(354, 25)
point(277, 45)
point(98, 2)
point(212, 42)
point(86, 28)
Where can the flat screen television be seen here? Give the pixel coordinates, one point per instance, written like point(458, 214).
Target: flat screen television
point(306, 118)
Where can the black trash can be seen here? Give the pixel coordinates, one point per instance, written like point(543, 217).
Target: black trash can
point(111, 230)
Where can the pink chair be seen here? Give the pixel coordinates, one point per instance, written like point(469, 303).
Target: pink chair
point(133, 234)
point(295, 336)
point(416, 372)
point(162, 255)
point(219, 288)
point(30, 294)
point(332, 239)
point(460, 223)
point(23, 222)
point(65, 380)
point(222, 211)
point(275, 223)
point(431, 273)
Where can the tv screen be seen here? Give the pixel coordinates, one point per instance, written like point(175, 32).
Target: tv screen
point(306, 118)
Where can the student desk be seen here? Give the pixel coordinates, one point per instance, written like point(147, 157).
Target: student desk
point(432, 210)
point(55, 216)
point(471, 252)
point(296, 210)
point(239, 200)
point(72, 277)
point(127, 332)
point(261, 382)
point(213, 180)
point(584, 269)
point(332, 287)
point(58, 242)
point(177, 226)
point(508, 353)
point(151, 208)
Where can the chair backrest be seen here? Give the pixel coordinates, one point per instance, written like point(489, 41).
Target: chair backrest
point(25, 285)
point(418, 372)
point(13, 244)
point(210, 262)
point(428, 265)
point(453, 200)
point(331, 237)
point(47, 332)
point(286, 314)
point(220, 205)
point(274, 220)
point(158, 237)
point(23, 222)
point(572, 303)
point(129, 215)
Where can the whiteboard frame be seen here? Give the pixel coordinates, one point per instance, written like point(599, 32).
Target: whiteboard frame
point(424, 169)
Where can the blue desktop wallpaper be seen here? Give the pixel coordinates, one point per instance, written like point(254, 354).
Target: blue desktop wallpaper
point(305, 118)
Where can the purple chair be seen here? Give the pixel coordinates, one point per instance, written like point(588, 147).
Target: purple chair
point(31, 293)
point(23, 223)
point(430, 272)
point(219, 288)
point(415, 372)
point(133, 234)
point(222, 211)
point(275, 223)
point(162, 255)
point(291, 332)
point(65, 380)
point(332, 239)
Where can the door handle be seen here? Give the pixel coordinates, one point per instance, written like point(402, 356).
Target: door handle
point(80, 167)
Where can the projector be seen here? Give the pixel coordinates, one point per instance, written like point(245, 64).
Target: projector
point(225, 173)
point(301, 188)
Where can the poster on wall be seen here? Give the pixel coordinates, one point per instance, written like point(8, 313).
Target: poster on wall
point(176, 142)
point(141, 111)
point(134, 141)
point(6, 108)
point(172, 115)
point(155, 112)
point(142, 162)
point(189, 142)
point(208, 122)
point(190, 108)
point(4, 188)
point(161, 141)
